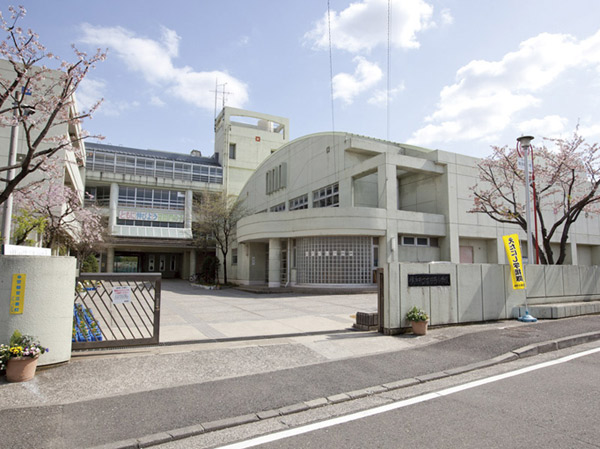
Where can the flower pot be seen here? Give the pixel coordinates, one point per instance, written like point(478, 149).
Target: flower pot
point(419, 327)
point(21, 369)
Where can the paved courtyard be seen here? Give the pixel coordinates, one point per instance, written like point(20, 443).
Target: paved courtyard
point(191, 313)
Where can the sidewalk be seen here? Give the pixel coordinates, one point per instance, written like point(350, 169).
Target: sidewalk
point(135, 397)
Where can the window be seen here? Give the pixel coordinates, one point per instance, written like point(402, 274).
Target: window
point(234, 256)
point(99, 196)
point(105, 161)
point(278, 208)
point(232, 151)
point(300, 202)
point(420, 241)
point(151, 198)
point(327, 196)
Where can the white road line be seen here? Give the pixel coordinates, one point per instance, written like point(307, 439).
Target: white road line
point(400, 404)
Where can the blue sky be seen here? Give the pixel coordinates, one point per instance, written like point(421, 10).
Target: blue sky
point(464, 75)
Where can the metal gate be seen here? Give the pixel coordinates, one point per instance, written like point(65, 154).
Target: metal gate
point(116, 309)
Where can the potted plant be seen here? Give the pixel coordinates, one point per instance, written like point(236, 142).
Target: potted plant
point(418, 320)
point(19, 358)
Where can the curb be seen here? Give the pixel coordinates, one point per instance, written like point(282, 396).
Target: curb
point(186, 432)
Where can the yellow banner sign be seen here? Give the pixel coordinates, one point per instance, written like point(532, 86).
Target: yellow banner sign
point(17, 294)
point(513, 252)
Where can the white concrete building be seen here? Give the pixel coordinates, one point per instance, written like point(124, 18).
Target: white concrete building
point(70, 167)
point(147, 195)
point(329, 208)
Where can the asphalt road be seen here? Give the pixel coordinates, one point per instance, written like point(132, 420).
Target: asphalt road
point(551, 407)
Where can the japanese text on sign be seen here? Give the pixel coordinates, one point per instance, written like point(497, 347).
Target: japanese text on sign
point(513, 252)
point(17, 294)
point(121, 294)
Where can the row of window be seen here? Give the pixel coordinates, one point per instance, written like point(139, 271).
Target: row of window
point(151, 198)
point(420, 241)
point(158, 168)
point(150, 224)
point(278, 208)
point(326, 197)
point(300, 202)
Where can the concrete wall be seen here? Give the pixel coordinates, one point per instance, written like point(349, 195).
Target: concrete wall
point(48, 304)
point(482, 292)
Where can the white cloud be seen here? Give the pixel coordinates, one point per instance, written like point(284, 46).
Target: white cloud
point(347, 86)
point(90, 91)
point(488, 95)
point(156, 101)
point(446, 16)
point(359, 27)
point(549, 126)
point(154, 61)
point(379, 97)
point(590, 132)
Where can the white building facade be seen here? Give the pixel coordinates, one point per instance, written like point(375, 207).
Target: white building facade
point(330, 208)
point(147, 196)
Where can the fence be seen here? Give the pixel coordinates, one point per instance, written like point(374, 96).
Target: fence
point(463, 293)
point(112, 310)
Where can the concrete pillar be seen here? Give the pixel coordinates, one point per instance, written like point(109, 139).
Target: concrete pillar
point(113, 204)
point(189, 196)
point(192, 255)
point(387, 186)
point(110, 259)
point(274, 263)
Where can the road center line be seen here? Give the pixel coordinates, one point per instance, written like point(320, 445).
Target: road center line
point(400, 404)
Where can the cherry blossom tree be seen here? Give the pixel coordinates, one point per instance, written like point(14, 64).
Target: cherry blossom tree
point(39, 100)
point(567, 178)
point(57, 212)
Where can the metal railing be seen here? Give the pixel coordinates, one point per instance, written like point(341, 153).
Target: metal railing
point(116, 309)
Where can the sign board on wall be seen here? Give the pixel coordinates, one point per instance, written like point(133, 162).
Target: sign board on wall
point(149, 216)
point(18, 250)
point(121, 294)
point(17, 294)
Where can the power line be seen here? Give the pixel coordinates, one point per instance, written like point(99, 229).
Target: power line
point(330, 67)
point(389, 71)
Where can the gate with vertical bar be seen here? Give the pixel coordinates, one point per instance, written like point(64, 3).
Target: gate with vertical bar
point(116, 309)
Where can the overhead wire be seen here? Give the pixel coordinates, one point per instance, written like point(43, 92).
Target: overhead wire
point(331, 84)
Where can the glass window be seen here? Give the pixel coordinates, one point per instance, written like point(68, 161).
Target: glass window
point(232, 151)
point(300, 202)
point(278, 208)
point(408, 240)
point(327, 196)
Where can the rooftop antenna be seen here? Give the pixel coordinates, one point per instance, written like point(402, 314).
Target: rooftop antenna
point(216, 92)
point(224, 93)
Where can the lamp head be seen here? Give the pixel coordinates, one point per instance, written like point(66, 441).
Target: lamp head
point(525, 141)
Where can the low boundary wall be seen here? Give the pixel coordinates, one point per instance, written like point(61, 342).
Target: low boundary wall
point(483, 292)
point(46, 304)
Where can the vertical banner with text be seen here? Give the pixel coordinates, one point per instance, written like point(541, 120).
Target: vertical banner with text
point(513, 252)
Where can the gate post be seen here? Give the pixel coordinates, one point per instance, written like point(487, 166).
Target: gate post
point(380, 299)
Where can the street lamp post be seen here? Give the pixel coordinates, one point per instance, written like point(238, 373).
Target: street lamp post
point(525, 142)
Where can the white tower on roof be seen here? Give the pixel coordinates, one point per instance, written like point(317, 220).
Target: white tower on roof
point(243, 140)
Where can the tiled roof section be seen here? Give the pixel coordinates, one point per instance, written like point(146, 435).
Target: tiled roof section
point(179, 157)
